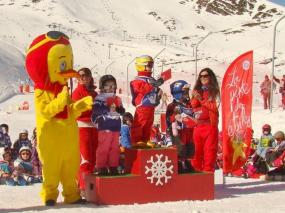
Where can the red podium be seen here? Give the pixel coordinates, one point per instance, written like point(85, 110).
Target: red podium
point(152, 177)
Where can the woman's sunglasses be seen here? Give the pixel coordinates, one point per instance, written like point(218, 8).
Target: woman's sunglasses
point(82, 75)
point(204, 76)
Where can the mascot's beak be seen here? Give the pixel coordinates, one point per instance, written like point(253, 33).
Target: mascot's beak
point(70, 74)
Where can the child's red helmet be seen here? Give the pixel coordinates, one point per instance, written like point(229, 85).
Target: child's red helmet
point(266, 127)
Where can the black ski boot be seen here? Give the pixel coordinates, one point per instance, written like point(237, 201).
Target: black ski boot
point(189, 167)
point(181, 167)
point(101, 172)
point(113, 171)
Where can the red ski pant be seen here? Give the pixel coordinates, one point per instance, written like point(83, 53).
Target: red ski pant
point(186, 135)
point(88, 145)
point(205, 138)
point(283, 100)
point(143, 121)
point(108, 151)
point(266, 100)
point(184, 144)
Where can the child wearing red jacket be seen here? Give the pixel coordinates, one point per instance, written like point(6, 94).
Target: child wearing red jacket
point(146, 95)
point(204, 102)
point(180, 123)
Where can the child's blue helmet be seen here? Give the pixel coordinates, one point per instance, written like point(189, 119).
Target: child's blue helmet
point(177, 88)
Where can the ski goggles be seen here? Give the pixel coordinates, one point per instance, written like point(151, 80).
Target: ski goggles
point(49, 36)
point(56, 35)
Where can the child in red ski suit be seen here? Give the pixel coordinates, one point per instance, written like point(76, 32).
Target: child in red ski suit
point(146, 95)
point(180, 123)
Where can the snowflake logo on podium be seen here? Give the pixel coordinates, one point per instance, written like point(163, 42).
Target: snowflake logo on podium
point(159, 169)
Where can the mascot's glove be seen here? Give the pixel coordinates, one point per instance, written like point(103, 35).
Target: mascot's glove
point(84, 104)
point(156, 83)
point(64, 96)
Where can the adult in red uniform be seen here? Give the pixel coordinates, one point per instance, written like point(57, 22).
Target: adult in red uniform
point(87, 131)
point(265, 89)
point(205, 107)
point(146, 95)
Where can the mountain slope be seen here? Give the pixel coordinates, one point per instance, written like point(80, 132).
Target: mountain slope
point(256, 9)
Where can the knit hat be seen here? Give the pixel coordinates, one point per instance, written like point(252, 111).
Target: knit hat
point(25, 148)
point(24, 131)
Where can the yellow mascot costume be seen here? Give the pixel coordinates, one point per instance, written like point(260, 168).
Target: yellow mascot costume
point(49, 62)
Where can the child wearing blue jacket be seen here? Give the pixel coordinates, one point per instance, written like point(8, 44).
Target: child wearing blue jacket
point(106, 115)
point(6, 167)
point(23, 168)
point(125, 139)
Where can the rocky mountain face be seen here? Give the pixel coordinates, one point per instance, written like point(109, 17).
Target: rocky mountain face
point(255, 8)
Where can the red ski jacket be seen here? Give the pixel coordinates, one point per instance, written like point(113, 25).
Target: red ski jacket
point(205, 110)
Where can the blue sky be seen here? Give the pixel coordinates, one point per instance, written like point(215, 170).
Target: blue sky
point(281, 2)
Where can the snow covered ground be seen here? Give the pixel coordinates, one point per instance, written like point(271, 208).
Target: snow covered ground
point(237, 195)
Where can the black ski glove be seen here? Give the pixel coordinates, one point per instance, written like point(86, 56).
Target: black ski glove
point(121, 110)
point(156, 83)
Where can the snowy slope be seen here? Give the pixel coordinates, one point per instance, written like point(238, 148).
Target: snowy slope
point(128, 29)
point(12, 69)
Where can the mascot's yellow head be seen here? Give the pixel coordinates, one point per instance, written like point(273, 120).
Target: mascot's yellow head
point(49, 61)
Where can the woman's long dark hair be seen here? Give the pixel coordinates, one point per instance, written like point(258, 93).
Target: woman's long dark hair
point(213, 86)
point(87, 71)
